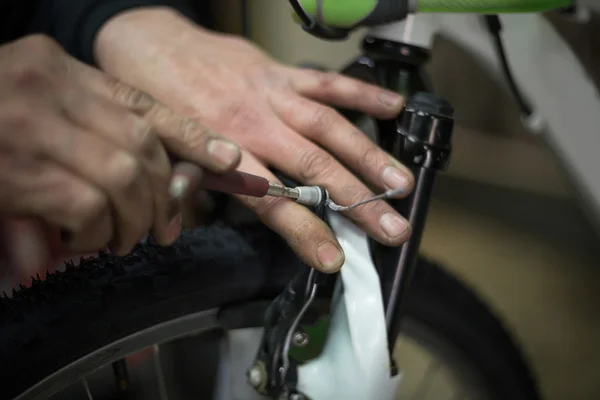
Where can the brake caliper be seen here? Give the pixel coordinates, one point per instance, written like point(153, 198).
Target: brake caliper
point(274, 373)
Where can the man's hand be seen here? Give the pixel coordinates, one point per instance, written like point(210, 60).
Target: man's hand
point(81, 151)
point(275, 113)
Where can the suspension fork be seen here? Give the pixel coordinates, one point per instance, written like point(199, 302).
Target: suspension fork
point(420, 137)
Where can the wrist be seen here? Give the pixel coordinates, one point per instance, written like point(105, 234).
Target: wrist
point(155, 54)
point(112, 53)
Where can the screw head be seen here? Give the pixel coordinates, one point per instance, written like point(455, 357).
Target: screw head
point(296, 396)
point(300, 339)
point(255, 376)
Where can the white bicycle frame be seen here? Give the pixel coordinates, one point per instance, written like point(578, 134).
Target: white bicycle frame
point(355, 362)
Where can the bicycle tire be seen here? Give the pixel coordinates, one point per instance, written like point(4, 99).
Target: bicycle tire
point(72, 313)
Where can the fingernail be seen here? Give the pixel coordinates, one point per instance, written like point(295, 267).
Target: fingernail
point(178, 186)
point(393, 225)
point(330, 256)
point(225, 153)
point(393, 178)
point(174, 228)
point(390, 100)
point(66, 236)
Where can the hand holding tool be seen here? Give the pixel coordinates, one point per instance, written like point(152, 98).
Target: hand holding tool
point(188, 177)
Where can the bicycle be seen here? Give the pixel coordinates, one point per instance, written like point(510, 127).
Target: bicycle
point(320, 331)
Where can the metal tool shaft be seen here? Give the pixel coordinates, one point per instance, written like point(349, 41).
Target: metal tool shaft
point(277, 190)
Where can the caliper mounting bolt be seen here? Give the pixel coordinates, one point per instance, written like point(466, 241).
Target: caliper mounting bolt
point(300, 339)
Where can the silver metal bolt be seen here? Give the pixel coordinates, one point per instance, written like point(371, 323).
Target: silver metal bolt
point(255, 376)
point(300, 339)
point(296, 396)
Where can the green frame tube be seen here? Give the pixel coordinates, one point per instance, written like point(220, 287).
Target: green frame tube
point(348, 13)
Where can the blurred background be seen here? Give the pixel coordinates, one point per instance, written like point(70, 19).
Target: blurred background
point(504, 217)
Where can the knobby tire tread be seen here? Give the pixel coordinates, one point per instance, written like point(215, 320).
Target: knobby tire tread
point(71, 313)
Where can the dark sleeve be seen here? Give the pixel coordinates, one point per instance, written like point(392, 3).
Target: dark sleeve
point(15, 18)
point(75, 23)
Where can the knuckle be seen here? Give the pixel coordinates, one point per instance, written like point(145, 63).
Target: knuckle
point(87, 204)
point(129, 96)
point(323, 118)
point(240, 114)
point(374, 208)
point(34, 59)
point(181, 129)
point(370, 158)
point(353, 193)
point(326, 81)
point(123, 171)
point(364, 215)
point(161, 115)
point(314, 164)
point(194, 135)
point(28, 77)
point(304, 232)
point(235, 110)
point(323, 78)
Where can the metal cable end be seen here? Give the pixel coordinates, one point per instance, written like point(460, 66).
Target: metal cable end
point(311, 196)
point(384, 196)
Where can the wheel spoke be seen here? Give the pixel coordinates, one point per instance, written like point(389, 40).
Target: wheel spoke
point(162, 386)
point(87, 389)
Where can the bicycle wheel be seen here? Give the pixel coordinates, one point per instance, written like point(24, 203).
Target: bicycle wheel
point(69, 324)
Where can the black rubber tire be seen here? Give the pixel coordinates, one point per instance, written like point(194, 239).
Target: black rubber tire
point(72, 313)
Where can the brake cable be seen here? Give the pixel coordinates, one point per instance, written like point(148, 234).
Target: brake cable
point(495, 27)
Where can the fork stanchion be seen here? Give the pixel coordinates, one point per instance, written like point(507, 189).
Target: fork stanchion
point(422, 143)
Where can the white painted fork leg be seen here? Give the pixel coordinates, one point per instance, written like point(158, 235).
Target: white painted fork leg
point(238, 349)
point(355, 363)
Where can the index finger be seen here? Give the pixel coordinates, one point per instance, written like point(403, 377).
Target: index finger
point(309, 237)
point(332, 132)
point(308, 163)
point(342, 91)
point(181, 135)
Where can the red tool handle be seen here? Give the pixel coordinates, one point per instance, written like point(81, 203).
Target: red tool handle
point(235, 183)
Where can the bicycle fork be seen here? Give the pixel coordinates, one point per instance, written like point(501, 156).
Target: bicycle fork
point(422, 143)
point(421, 139)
